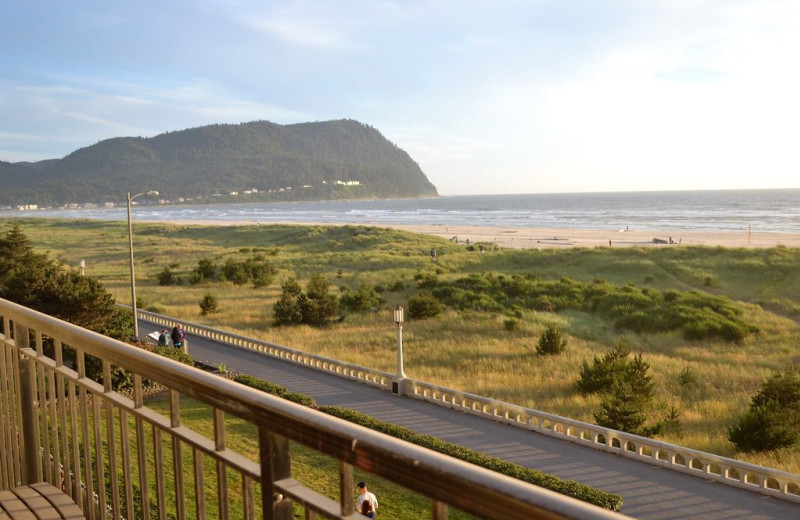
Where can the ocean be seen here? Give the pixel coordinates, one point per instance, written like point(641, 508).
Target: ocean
point(724, 210)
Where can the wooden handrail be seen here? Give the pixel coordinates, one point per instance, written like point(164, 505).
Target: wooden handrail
point(444, 480)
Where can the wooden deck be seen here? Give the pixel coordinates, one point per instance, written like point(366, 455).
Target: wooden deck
point(37, 502)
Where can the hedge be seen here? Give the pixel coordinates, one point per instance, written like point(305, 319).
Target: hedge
point(274, 389)
point(551, 482)
point(565, 487)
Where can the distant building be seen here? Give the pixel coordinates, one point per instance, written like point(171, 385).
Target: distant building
point(108, 205)
point(28, 207)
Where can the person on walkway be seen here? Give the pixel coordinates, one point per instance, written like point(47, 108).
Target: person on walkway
point(184, 343)
point(162, 338)
point(365, 496)
point(177, 338)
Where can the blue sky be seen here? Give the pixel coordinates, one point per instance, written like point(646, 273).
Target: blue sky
point(502, 96)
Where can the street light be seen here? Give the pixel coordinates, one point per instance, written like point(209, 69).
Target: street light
point(130, 247)
point(397, 386)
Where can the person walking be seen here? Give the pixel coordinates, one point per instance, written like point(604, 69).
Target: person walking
point(365, 496)
point(162, 338)
point(177, 339)
point(184, 343)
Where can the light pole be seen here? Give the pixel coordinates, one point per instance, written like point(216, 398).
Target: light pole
point(397, 386)
point(130, 247)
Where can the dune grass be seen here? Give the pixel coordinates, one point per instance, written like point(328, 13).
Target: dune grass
point(707, 382)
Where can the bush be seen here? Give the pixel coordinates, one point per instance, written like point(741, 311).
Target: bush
point(315, 307)
point(320, 304)
point(773, 420)
point(551, 342)
point(366, 298)
point(287, 310)
point(176, 354)
point(511, 324)
point(565, 487)
point(605, 371)
point(624, 409)
point(167, 277)
point(763, 428)
point(208, 305)
point(424, 305)
point(626, 387)
point(206, 269)
point(275, 389)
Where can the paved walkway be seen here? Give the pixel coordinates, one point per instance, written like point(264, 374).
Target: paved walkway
point(649, 492)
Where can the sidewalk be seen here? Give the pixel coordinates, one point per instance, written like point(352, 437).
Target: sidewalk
point(649, 492)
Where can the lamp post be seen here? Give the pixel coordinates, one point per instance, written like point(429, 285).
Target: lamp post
point(397, 386)
point(130, 248)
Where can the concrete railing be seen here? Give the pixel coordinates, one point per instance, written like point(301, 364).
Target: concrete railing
point(358, 373)
point(724, 470)
point(62, 422)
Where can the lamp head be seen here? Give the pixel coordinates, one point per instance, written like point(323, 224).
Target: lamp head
point(398, 315)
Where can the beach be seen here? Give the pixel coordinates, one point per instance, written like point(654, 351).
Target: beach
point(544, 238)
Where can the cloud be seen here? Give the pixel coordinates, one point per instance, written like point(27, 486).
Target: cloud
point(64, 118)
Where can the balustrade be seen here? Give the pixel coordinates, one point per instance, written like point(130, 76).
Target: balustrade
point(119, 457)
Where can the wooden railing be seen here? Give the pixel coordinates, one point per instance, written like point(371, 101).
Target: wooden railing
point(724, 470)
point(120, 457)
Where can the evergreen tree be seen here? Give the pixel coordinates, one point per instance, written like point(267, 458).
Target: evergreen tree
point(773, 418)
point(287, 310)
point(320, 304)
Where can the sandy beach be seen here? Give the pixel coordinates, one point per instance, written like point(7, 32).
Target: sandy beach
point(526, 238)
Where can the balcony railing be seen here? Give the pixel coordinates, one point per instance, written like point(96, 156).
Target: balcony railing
point(117, 457)
point(727, 471)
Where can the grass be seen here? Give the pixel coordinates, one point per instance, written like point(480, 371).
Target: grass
point(470, 350)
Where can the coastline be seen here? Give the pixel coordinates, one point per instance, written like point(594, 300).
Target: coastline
point(547, 238)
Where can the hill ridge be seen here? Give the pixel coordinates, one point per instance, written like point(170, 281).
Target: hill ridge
point(252, 161)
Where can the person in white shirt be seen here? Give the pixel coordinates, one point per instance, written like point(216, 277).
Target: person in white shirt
point(365, 495)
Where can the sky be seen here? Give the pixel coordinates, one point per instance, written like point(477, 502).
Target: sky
point(488, 97)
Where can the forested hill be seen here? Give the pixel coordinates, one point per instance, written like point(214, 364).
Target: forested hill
point(253, 161)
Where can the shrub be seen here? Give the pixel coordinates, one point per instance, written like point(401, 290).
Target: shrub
point(208, 305)
point(206, 269)
point(424, 305)
point(624, 408)
point(287, 310)
point(275, 389)
point(234, 272)
point(167, 277)
point(314, 307)
point(605, 371)
point(763, 428)
point(320, 304)
point(687, 377)
point(773, 419)
point(426, 280)
point(511, 324)
point(551, 342)
point(565, 487)
point(176, 354)
point(366, 298)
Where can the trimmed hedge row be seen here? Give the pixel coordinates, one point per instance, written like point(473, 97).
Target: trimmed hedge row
point(565, 487)
point(551, 482)
point(274, 389)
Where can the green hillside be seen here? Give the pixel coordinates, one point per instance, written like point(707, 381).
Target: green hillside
point(341, 159)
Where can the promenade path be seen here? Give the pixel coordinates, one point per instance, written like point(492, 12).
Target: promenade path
point(649, 492)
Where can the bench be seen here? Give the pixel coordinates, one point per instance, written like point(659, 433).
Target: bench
point(40, 501)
